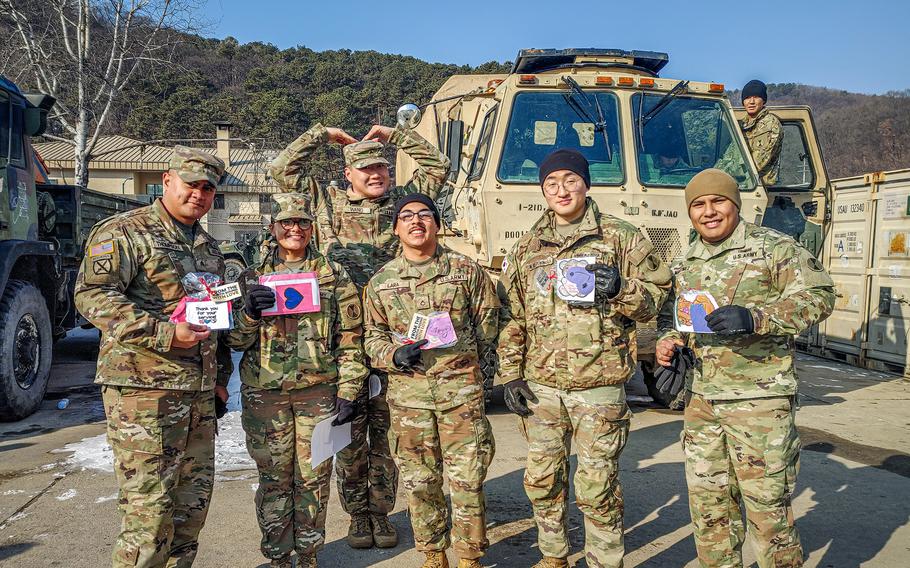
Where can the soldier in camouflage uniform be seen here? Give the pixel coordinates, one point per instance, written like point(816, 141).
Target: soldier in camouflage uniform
point(158, 377)
point(436, 395)
point(762, 130)
point(296, 370)
point(564, 363)
point(739, 436)
point(354, 228)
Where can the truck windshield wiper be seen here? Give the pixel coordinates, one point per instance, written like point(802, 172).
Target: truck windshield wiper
point(581, 104)
point(661, 104)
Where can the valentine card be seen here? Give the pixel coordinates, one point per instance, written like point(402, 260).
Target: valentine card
point(692, 307)
point(296, 293)
point(435, 327)
point(573, 282)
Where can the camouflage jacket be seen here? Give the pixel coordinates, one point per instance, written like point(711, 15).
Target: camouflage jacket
point(453, 283)
point(128, 286)
point(764, 137)
point(547, 341)
point(354, 231)
point(784, 287)
point(301, 350)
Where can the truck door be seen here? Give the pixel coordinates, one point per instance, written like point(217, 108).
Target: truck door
point(798, 203)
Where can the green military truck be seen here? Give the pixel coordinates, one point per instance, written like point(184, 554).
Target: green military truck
point(42, 231)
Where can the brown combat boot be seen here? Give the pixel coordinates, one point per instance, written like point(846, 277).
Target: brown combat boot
point(469, 563)
point(552, 562)
point(360, 535)
point(436, 559)
point(283, 562)
point(384, 533)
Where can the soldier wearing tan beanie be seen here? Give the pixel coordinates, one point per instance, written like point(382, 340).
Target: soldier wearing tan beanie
point(713, 182)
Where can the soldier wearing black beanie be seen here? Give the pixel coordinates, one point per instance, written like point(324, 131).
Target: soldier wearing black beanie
point(755, 88)
point(566, 159)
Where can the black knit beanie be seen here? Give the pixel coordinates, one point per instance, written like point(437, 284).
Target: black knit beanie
point(755, 88)
point(565, 159)
point(418, 198)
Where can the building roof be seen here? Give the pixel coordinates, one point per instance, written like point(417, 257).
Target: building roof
point(248, 168)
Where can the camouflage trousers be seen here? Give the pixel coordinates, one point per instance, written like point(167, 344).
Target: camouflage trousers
point(366, 474)
point(164, 458)
point(597, 420)
point(292, 497)
point(461, 439)
point(742, 450)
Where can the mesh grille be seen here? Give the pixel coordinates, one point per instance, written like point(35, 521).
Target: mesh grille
point(666, 242)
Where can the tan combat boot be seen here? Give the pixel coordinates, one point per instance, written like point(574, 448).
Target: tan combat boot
point(552, 562)
point(469, 563)
point(436, 559)
point(360, 535)
point(384, 533)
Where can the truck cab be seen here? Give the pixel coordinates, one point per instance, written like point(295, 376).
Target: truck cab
point(645, 137)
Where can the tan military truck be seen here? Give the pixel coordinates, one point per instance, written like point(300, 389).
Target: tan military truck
point(645, 136)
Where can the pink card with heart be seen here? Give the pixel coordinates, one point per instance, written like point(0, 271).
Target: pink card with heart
point(296, 293)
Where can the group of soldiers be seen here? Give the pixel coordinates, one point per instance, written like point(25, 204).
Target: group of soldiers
point(375, 252)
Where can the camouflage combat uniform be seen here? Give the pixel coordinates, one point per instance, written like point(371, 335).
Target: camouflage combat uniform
point(739, 437)
point(158, 399)
point(357, 233)
point(576, 360)
point(764, 137)
point(292, 368)
point(437, 413)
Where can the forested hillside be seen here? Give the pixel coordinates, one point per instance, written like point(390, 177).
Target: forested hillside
point(272, 95)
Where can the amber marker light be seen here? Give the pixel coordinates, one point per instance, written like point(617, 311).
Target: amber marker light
point(716, 87)
point(626, 82)
point(605, 80)
point(527, 79)
point(646, 83)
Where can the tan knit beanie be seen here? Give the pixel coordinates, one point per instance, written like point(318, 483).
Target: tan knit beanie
point(713, 182)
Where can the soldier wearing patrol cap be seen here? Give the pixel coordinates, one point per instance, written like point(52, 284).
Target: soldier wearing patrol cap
point(158, 377)
point(296, 370)
point(354, 227)
point(739, 433)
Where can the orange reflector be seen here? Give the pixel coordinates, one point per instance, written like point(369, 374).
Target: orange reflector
point(716, 87)
point(527, 79)
point(626, 81)
point(605, 80)
point(646, 83)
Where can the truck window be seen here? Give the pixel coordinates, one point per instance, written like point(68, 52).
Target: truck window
point(796, 170)
point(542, 122)
point(483, 145)
point(16, 155)
point(4, 130)
point(685, 137)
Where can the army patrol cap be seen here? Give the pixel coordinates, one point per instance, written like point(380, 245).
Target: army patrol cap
point(193, 165)
point(362, 154)
point(291, 206)
point(713, 182)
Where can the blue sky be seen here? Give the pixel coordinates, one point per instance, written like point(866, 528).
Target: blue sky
point(855, 46)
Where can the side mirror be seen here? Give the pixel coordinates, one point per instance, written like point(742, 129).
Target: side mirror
point(36, 112)
point(409, 116)
point(453, 146)
point(810, 208)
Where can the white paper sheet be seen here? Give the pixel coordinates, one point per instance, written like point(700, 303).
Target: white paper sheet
point(328, 440)
point(375, 386)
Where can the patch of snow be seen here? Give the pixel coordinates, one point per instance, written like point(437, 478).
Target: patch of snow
point(89, 453)
point(14, 492)
point(254, 487)
point(105, 499)
point(67, 495)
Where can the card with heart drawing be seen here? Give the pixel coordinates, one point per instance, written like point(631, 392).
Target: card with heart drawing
point(296, 293)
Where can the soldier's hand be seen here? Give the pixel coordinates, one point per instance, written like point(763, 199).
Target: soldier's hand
point(221, 398)
point(339, 136)
point(407, 357)
point(347, 411)
point(517, 394)
point(671, 378)
point(665, 350)
point(731, 320)
point(607, 281)
point(258, 298)
point(189, 334)
point(379, 133)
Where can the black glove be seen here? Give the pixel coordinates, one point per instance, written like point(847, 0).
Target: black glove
point(670, 380)
point(731, 320)
point(220, 407)
point(407, 357)
point(258, 298)
point(347, 411)
point(607, 282)
point(517, 394)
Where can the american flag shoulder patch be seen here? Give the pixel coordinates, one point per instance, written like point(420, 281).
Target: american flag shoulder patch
point(106, 247)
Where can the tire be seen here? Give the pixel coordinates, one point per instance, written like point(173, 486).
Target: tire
point(233, 266)
point(673, 403)
point(26, 348)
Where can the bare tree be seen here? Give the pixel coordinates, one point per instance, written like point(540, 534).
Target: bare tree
point(86, 52)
